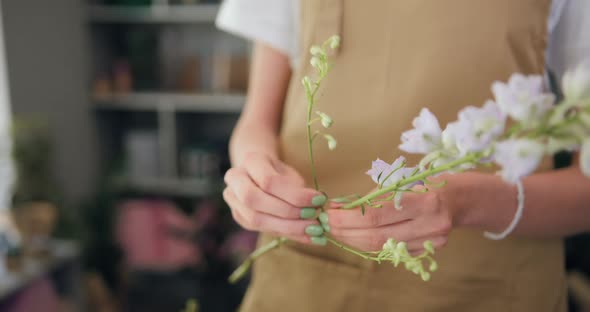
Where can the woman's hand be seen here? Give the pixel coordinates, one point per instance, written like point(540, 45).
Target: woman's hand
point(266, 195)
point(424, 216)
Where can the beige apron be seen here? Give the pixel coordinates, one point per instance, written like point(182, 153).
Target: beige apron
point(398, 56)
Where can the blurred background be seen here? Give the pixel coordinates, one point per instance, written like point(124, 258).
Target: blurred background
point(120, 114)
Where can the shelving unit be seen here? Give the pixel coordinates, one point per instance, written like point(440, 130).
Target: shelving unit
point(174, 187)
point(153, 101)
point(166, 83)
point(170, 107)
point(202, 13)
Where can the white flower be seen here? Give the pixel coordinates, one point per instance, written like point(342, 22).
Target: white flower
point(518, 158)
point(425, 137)
point(386, 174)
point(522, 98)
point(475, 130)
point(450, 134)
point(576, 83)
point(585, 157)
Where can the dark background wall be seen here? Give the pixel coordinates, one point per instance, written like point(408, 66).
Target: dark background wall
point(47, 57)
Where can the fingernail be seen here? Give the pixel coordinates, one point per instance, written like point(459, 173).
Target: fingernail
point(320, 240)
point(314, 230)
point(326, 227)
point(323, 217)
point(307, 213)
point(318, 200)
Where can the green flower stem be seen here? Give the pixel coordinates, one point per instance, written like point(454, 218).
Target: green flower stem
point(362, 254)
point(245, 266)
point(310, 100)
point(470, 158)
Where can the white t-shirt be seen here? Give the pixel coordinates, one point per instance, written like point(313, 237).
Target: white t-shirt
point(275, 22)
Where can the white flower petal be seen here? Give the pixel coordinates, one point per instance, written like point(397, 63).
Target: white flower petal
point(576, 82)
point(518, 158)
point(425, 137)
point(522, 98)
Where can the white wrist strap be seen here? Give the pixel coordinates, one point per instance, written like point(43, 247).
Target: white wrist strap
point(517, 216)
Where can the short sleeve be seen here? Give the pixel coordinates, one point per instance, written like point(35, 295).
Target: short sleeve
point(269, 21)
point(569, 41)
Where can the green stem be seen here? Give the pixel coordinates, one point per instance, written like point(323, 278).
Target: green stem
point(415, 178)
point(310, 142)
point(245, 266)
point(359, 253)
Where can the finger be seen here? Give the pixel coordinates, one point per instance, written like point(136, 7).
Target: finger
point(376, 237)
point(253, 197)
point(280, 181)
point(304, 239)
point(262, 222)
point(373, 218)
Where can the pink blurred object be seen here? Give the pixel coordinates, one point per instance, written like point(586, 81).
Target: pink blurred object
point(206, 214)
point(38, 297)
point(155, 235)
point(239, 245)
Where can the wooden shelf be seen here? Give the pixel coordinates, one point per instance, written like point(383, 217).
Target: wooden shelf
point(147, 101)
point(174, 187)
point(196, 13)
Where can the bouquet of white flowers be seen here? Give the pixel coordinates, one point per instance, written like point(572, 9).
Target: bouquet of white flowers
point(481, 136)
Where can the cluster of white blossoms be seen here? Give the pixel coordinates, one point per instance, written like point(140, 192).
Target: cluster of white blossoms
point(515, 130)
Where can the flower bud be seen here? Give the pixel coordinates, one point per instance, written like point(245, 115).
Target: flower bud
point(433, 266)
point(401, 247)
point(334, 41)
point(428, 246)
point(325, 120)
point(389, 244)
point(315, 62)
point(306, 83)
point(315, 50)
point(331, 141)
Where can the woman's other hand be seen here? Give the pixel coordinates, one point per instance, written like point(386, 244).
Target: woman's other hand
point(266, 195)
point(424, 216)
